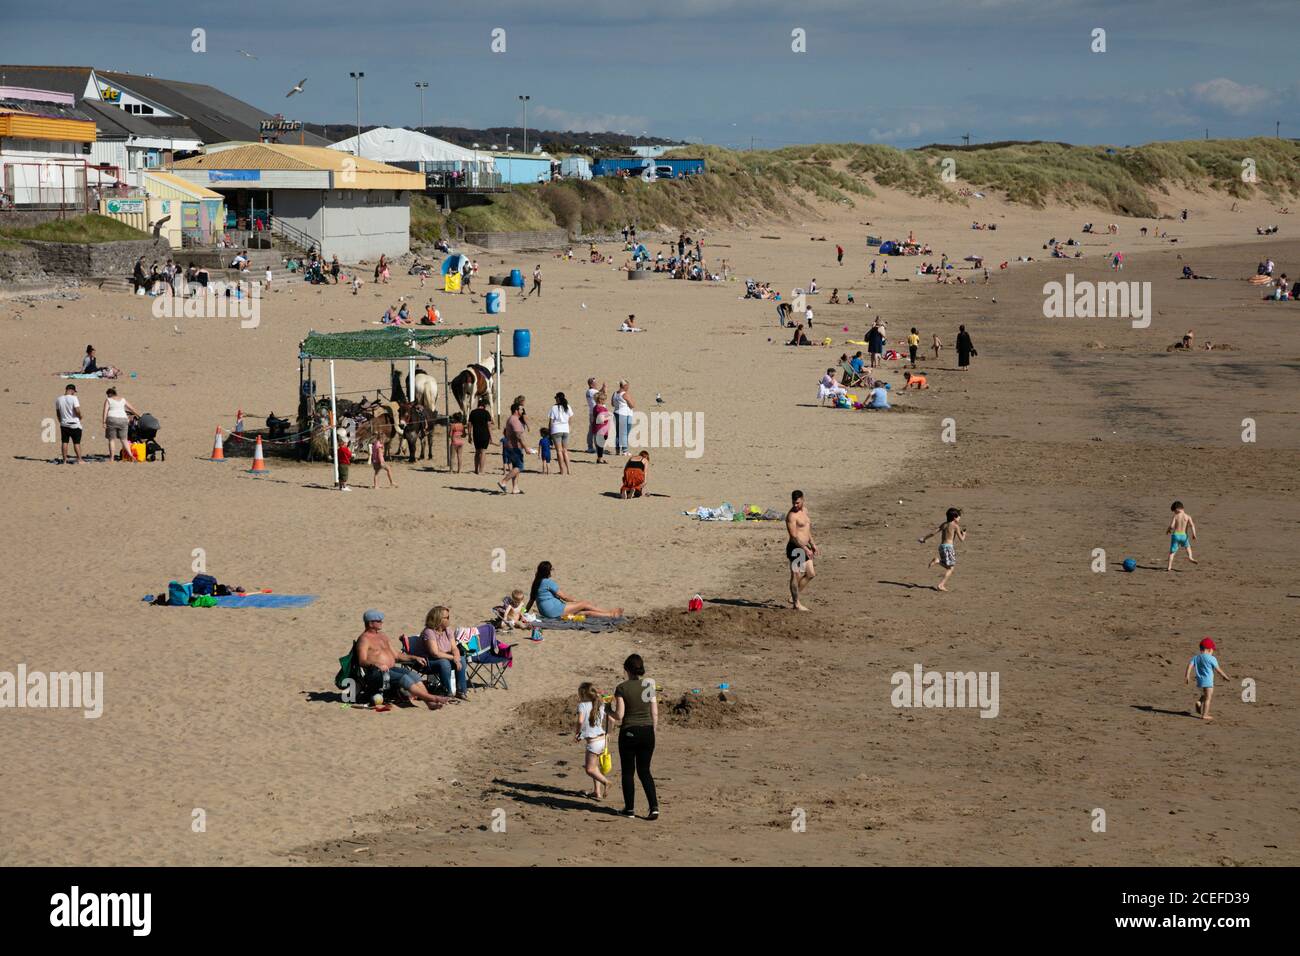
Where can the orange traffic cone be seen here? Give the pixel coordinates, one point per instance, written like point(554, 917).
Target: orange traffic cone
point(217, 449)
point(259, 463)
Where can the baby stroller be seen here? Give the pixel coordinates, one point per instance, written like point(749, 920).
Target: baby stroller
point(145, 429)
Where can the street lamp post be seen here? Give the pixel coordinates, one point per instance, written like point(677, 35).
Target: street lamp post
point(421, 86)
point(358, 76)
point(524, 98)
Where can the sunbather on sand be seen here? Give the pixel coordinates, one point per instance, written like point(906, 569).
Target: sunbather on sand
point(554, 603)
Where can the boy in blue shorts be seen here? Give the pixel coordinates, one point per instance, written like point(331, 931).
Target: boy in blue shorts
point(1180, 526)
point(1205, 665)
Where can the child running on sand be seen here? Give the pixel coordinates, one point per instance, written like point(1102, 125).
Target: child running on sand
point(1205, 665)
point(378, 464)
point(950, 533)
point(1179, 527)
point(590, 731)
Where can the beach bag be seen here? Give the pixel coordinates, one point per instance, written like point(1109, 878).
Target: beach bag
point(203, 600)
point(203, 584)
point(178, 594)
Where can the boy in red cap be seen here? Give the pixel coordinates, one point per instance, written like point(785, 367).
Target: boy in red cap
point(1206, 666)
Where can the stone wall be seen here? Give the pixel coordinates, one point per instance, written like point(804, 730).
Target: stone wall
point(97, 258)
point(23, 218)
point(541, 239)
point(20, 265)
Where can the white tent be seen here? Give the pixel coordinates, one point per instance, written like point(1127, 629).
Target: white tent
point(387, 145)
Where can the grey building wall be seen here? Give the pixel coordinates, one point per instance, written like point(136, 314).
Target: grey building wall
point(353, 224)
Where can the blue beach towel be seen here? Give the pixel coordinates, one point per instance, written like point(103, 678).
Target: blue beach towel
point(266, 600)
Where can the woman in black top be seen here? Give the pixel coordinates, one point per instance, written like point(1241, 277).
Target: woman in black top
point(480, 433)
point(636, 712)
point(965, 348)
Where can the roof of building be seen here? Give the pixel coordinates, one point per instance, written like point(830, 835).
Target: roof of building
point(113, 121)
point(277, 156)
point(214, 115)
point(63, 79)
point(183, 185)
point(42, 109)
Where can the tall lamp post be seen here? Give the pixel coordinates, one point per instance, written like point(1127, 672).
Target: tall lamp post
point(524, 99)
point(421, 86)
point(358, 77)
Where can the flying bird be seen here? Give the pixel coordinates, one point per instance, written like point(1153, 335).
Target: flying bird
point(296, 89)
point(247, 54)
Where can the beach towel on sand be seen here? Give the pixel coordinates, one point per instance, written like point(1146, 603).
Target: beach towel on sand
point(595, 625)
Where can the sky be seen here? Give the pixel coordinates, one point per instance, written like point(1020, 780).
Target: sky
point(905, 73)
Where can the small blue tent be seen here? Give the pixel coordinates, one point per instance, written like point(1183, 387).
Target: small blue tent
point(454, 262)
point(889, 248)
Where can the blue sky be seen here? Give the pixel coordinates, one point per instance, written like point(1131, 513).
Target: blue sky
point(722, 71)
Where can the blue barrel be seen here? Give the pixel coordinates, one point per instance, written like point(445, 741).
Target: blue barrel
point(523, 343)
point(516, 278)
point(493, 302)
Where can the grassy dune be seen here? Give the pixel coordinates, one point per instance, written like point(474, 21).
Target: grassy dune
point(90, 228)
point(745, 186)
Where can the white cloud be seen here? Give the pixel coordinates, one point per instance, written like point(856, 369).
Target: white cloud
point(1232, 96)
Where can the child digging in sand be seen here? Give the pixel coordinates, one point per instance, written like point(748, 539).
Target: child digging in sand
point(950, 533)
point(1179, 527)
point(590, 730)
point(1205, 666)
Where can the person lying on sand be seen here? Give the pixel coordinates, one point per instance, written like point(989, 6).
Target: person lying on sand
point(554, 603)
point(383, 672)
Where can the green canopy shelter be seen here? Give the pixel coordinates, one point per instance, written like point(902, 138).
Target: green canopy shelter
point(392, 344)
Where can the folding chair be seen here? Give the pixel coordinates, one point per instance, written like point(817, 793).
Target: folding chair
point(487, 659)
point(432, 675)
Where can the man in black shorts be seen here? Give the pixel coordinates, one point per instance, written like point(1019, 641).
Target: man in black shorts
point(480, 431)
point(68, 408)
point(800, 549)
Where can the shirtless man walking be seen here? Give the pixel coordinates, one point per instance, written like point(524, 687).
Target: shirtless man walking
point(800, 549)
point(374, 651)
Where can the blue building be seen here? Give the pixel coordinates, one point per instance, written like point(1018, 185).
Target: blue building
point(667, 167)
point(523, 167)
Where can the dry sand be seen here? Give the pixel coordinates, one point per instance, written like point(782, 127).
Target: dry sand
point(1061, 448)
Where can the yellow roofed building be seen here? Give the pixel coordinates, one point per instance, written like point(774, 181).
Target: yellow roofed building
point(345, 206)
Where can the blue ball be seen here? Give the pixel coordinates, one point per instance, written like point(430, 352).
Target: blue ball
point(1130, 564)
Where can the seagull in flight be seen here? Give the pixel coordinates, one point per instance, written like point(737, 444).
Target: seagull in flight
point(247, 54)
point(297, 88)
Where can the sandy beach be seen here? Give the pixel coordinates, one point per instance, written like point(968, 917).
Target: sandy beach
point(1071, 435)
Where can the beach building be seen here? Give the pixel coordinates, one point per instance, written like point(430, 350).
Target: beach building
point(188, 111)
point(185, 214)
point(665, 167)
point(575, 167)
point(521, 168)
point(44, 150)
point(131, 145)
point(355, 208)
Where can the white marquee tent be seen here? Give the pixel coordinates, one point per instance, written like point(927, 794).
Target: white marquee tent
point(387, 145)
